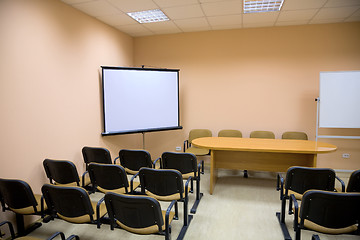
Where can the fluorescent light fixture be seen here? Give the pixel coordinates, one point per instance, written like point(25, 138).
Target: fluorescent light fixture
point(252, 6)
point(155, 15)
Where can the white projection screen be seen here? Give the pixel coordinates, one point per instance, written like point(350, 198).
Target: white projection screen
point(137, 100)
point(339, 99)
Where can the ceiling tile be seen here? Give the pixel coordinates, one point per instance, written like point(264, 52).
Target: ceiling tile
point(76, 1)
point(162, 27)
point(193, 23)
point(97, 8)
point(298, 15)
point(323, 21)
point(174, 3)
point(133, 5)
point(117, 20)
point(267, 18)
point(289, 23)
point(225, 20)
point(222, 8)
point(135, 30)
point(333, 13)
point(302, 4)
point(257, 25)
point(342, 3)
point(183, 12)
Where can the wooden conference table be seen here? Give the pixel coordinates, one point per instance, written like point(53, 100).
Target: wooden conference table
point(273, 155)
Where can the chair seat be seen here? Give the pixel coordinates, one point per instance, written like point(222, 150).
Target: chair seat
point(119, 190)
point(87, 181)
point(86, 218)
point(175, 196)
point(30, 210)
point(148, 230)
point(313, 226)
point(197, 151)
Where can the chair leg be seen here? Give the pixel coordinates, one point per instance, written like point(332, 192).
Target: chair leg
point(176, 217)
point(199, 195)
point(283, 210)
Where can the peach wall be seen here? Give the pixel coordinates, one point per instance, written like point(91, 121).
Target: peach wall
point(50, 87)
point(255, 79)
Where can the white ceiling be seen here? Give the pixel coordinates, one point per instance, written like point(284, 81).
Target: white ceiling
point(206, 15)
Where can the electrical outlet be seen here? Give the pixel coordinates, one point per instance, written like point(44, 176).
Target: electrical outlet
point(178, 148)
point(346, 155)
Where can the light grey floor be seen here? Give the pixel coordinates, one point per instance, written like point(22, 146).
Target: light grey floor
point(240, 208)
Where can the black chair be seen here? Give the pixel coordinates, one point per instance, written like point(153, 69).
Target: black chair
point(139, 214)
point(300, 179)
point(110, 178)
point(327, 212)
point(63, 172)
point(73, 204)
point(133, 160)
point(18, 197)
point(186, 163)
point(54, 236)
point(354, 182)
point(167, 185)
point(315, 237)
point(96, 155)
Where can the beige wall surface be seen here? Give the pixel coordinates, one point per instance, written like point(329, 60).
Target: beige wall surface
point(50, 97)
point(255, 79)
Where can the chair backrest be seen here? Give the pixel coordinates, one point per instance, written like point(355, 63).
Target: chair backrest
point(108, 176)
point(96, 154)
point(136, 212)
point(70, 202)
point(262, 134)
point(183, 162)
point(294, 135)
point(16, 194)
point(135, 159)
point(229, 133)
point(61, 171)
point(330, 209)
point(198, 133)
point(354, 182)
point(161, 182)
point(301, 179)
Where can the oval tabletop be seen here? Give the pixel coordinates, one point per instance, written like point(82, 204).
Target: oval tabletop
point(264, 145)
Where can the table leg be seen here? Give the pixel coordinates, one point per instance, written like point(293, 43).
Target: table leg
point(213, 172)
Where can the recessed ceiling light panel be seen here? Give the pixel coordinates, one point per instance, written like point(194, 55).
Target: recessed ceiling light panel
point(251, 6)
point(155, 15)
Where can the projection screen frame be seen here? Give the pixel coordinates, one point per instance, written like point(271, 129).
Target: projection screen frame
point(139, 130)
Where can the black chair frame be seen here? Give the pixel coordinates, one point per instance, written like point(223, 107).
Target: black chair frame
point(190, 167)
point(96, 155)
point(301, 179)
point(62, 172)
point(110, 199)
point(21, 196)
point(311, 198)
point(164, 182)
point(58, 200)
point(108, 176)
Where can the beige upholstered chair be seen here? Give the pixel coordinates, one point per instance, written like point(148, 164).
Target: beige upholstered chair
point(18, 197)
point(295, 135)
point(139, 214)
point(262, 134)
point(229, 133)
point(193, 134)
point(73, 204)
point(341, 211)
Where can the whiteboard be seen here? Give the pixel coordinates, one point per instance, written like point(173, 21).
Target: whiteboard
point(339, 99)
